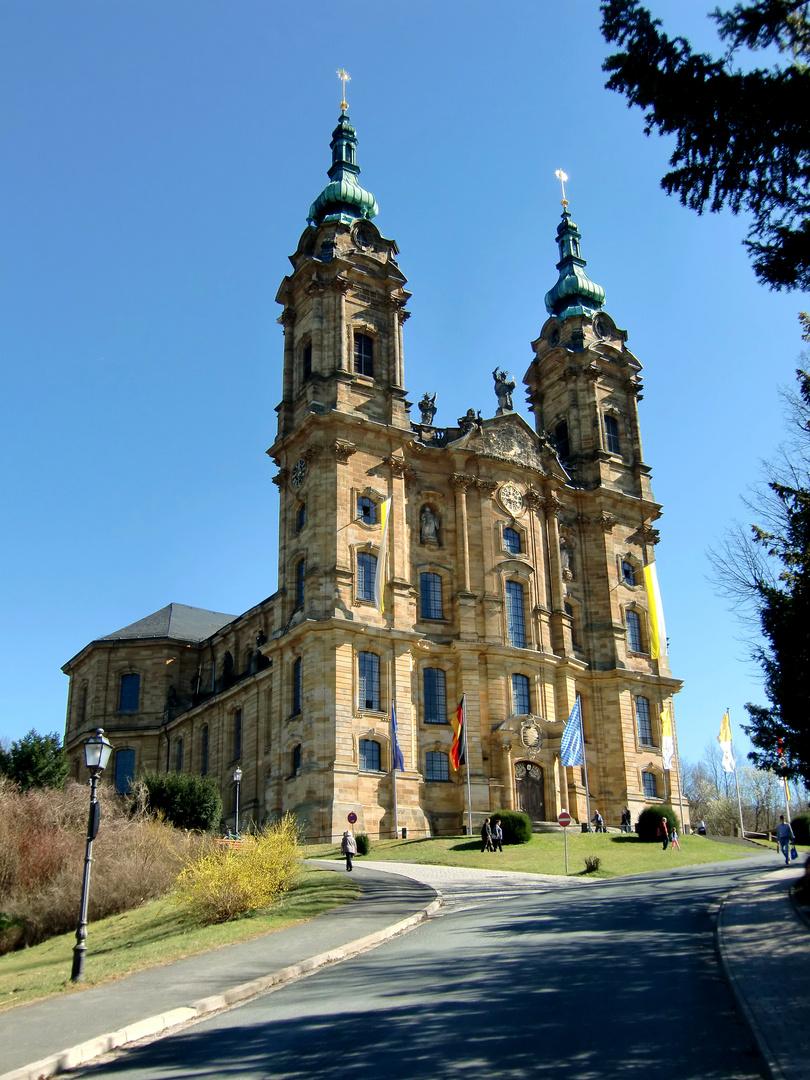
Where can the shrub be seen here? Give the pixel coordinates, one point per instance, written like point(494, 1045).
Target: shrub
point(224, 883)
point(363, 843)
point(650, 818)
point(592, 864)
point(801, 828)
point(517, 826)
point(186, 801)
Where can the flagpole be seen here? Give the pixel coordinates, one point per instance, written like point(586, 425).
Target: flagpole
point(678, 763)
point(394, 748)
point(736, 778)
point(584, 764)
point(467, 763)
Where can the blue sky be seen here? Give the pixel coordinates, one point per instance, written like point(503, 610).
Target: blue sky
point(158, 161)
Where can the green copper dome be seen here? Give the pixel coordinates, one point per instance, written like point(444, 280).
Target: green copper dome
point(343, 199)
point(574, 293)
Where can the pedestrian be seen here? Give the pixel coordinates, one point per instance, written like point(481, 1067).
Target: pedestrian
point(486, 836)
point(349, 847)
point(701, 827)
point(663, 832)
point(626, 819)
point(497, 835)
point(784, 838)
point(599, 822)
point(674, 840)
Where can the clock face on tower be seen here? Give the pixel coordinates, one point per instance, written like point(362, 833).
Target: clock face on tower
point(299, 472)
point(511, 499)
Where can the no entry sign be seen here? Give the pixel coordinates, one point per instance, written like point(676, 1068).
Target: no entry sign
point(564, 818)
point(352, 818)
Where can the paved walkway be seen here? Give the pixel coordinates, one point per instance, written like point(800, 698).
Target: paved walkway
point(764, 946)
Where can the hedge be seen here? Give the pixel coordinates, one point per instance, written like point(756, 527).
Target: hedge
point(517, 826)
point(649, 820)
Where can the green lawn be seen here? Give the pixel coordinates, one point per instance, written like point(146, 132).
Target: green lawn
point(156, 934)
point(620, 854)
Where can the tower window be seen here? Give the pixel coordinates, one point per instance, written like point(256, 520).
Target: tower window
point(306, 365)
point(515, 619)
point(237, 734)
point(561, 440)
point(300, 574)
point(369, 755)
point(511, 541)
point(367, 510)
point(437, 765)
point(130, 693)
point(435, 685)
point(521, 697)
point(643, 721)
point(366, 573)
point(649, 786)
point(124, 771)
point(363, 355)
point(296, 687)
point(628, 573)
point(301, 517)
point(296, 760)
point(368, 681)
point(633, 631)
point(614, 443)
point(204, 753)
point(430, 587)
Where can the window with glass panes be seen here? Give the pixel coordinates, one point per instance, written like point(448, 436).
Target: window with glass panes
point(437, 765)
point(633, 631)
point(130, 692)
point(515, 619)
point(628, 573)
point(307, 363)
point(366, 572)
point(435, 684)
point(369, 755)
point(430, 590)
point(237, 734)
point(644, 721)
point(367, 510)
point(296, 687)
point(300, 572)
point(649, 786)
point(124, 771)
point(511, 541)
point(368, 681)
point(363, 355)
point(521, 698)
point(204, 753)
point(614, 444)
point(301, 518)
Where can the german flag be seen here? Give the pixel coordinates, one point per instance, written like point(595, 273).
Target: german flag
point(459, 738)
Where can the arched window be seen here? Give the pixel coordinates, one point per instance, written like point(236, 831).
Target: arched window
point(628, 573)
point(368, 681)
point(437, 765)
point(296, 760)
point(561, 440)
point(649, 785)
point(369, 755)
point(296, 687)
point(633, 631)
point(367, 510)
point(366, 573)
point(130, 693)
point(511, 541)
point(430, 590)
point(521, 695)
point(301, 517)
point(614, 443)
point(306, 365)
point(124, 771)
point(204, 752)
point(237, 734)
point(435, 686)
point(643, 721)
point(300, 572)
point(363, 355)
point(515, 619)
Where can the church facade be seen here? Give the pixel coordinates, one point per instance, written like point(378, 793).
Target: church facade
point(511, 574)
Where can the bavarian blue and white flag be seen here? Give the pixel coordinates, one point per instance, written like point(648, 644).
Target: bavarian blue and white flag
point(571, 742)
point(398, 762)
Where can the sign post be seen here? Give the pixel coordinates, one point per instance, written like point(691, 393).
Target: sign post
point(352, 818)
point(564, 818)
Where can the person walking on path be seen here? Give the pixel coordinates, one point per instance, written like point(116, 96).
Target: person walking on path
point(598, 821)
point(784, 838)
point(663, 832)
point(486, 836)
point(674, 840)
point(626, 819)
point(349, 848)
point(497, 835)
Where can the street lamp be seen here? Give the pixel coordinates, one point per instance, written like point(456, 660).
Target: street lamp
point(237, 779)
point(97, 751)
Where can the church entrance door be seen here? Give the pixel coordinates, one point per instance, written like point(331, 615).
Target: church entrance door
point(530, 789)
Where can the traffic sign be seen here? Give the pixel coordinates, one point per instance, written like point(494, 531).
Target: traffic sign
point(352, 818)
point(564, 818)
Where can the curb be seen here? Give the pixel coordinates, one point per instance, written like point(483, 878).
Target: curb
point(158, 1025)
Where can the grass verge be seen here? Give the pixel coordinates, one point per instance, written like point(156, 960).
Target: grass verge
point(155, 934)
point(619, 854)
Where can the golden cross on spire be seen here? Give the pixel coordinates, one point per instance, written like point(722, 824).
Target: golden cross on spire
point(562, 177)
point(344, 77)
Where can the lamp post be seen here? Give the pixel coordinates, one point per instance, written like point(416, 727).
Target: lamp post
point(97, 751)
point(237, 779)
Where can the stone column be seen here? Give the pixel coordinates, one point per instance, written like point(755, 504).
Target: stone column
point(399, 571)
point(552, 507)
point(466, 599)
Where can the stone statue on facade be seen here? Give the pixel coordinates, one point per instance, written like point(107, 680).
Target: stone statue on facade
point(503, 391)
point(428, 527)
point(470, 420)
point(427, 407)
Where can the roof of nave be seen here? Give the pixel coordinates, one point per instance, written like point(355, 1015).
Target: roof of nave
point(174, 621)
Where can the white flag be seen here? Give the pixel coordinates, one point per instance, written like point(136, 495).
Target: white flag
point(724, 738)
point(667, 741)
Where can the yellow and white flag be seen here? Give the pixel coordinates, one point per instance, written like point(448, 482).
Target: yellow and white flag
point(382, 558)
point(658, 632)
point(667, 740)
point(724, 738)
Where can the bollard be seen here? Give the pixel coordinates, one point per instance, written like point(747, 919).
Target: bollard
point(404, 832)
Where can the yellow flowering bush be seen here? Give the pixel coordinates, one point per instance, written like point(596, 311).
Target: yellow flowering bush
point(226, 882)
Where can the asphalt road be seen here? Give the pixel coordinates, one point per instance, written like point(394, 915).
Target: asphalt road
point(617, 980)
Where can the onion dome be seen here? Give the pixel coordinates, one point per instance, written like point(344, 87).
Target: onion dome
point(574, 293)
point(343, 199)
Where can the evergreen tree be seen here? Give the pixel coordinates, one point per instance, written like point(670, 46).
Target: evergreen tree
point(742, 135)
point(36, 761)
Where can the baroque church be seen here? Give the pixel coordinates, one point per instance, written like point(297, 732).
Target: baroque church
point(512, 573)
